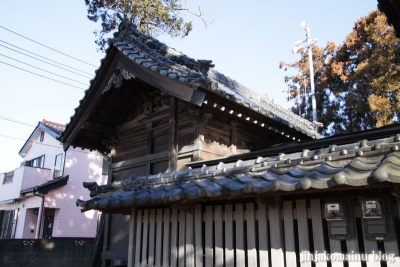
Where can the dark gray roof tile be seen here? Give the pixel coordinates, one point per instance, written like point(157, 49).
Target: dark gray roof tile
point(283, 172)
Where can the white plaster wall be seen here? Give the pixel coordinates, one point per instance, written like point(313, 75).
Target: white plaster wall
point(11, 190)
point(34, 176)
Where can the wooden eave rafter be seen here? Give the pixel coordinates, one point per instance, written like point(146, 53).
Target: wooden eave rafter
point(292, 147)
point(240, 113)
point(92, 126)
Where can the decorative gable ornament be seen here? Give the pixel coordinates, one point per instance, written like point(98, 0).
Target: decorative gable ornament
point(117, 78)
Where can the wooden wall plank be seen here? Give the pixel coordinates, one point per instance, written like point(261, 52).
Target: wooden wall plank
point(290, 249)
point(251, 235)
point(229, 252)
point(189, 250)
point(318, 231)
point(159, 224)
point(240, 252)
point(209, 248)
point(274, 216)
point(145, 236)
point(218, 237)
point(152, 234)
point(391, 247)
point(181, 239)
point(276, 240)
point(132, 231)
point(166, 238)
point(138, 235)
point(263, 235)
point(335, 251)
point(302, 225)
point(198, 237)
point(174, 236)
point(352, 244)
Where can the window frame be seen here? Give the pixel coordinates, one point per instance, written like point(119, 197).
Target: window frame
point(41, 136)
point(8, 177)
point(30, 163)
point(58, 171)
point(7, 224)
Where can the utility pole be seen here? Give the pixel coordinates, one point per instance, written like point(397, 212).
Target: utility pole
point(308, 43)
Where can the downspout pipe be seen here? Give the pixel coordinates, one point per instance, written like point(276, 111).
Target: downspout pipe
point(41, 212)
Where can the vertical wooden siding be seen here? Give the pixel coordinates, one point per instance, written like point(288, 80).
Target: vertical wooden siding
point(245, 234)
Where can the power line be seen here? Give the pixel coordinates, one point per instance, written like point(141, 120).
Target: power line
point(45, 58)
point(43, 76)
point(34, 142)
point(20, 122)
point(44, 70)
point(45, 61)
point(48, 47)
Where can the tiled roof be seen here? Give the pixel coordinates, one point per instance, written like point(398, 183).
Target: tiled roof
point(151, 54)
point(45, 187)
point(53, 126)
point(355, 164)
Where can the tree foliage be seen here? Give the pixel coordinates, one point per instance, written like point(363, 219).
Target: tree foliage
point(357, 83)
point(151, 16)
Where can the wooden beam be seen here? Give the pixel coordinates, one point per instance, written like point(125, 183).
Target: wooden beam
point(173, 134)
point(171, 86)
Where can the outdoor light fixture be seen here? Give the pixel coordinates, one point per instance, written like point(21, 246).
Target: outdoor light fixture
point(340, 218)
point(377, 219)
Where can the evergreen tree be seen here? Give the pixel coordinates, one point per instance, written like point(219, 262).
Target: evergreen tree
point(151, 17)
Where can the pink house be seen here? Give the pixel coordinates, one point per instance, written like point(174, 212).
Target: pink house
point(37, 200)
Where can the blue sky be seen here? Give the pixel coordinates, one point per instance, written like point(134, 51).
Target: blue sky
point(246, 42)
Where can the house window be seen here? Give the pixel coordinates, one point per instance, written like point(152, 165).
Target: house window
point(41, 136)
point(7, 224)
point(36, 162)
point(8, 177)
point(104, 170)
point(57, 166)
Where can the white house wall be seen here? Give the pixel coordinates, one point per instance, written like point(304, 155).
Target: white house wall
point(50, 147)
point(24, 226)
point(80, 165)
point(11, 190)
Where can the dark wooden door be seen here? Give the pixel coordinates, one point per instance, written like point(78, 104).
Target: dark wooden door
point(48, 224)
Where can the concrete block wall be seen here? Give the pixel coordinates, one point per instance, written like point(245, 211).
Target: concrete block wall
point(61, 252)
